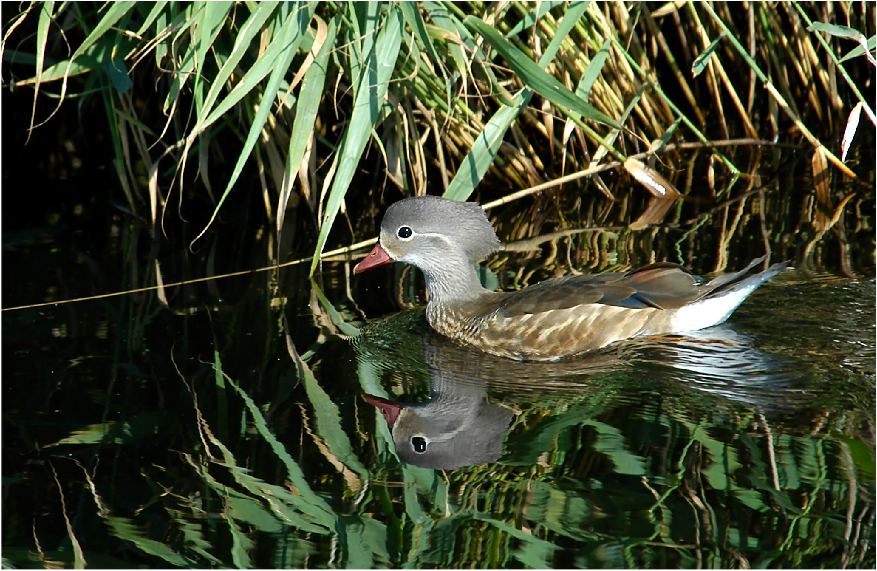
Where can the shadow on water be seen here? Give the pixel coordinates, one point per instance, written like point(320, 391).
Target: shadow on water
point(225, 424)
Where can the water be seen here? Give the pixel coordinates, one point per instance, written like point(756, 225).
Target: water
point(226, 426)
point(750, 443)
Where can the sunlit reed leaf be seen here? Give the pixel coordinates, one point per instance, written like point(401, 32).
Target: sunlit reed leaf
point(613, 134)
point(654, 182)
point(836, 30)
point(183, 68)
point(483, 151)
point(278, 57)
point(535, 77)
point(703, 59)
point(415, 22)
point(127, 530)
point(592, 72)
point(116, 12)
point(367, 113)
point(252, 27)
point(860, 50)
point(443, 27)
point(850, 130)
point(156, 10)
point(210, 23)
point(45, 10)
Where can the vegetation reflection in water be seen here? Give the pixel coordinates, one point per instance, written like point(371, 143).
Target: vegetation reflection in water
point(689, 452)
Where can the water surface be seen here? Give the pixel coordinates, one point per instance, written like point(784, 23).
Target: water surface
point(225, 424)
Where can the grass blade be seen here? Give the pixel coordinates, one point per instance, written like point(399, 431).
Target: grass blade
point(535, 77)
point(307, 105)
point(367, 113)
point(703, 59)
point(287, 40)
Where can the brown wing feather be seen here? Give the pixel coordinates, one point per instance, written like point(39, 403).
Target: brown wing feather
point(661, 286)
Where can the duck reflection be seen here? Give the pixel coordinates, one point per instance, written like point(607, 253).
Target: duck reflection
point(460, 424)
point(457, 427)
point(473, 397)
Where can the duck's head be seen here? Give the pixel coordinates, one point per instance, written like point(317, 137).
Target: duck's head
point(435, 234)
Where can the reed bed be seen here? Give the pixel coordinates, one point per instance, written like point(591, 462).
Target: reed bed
point(294, 101)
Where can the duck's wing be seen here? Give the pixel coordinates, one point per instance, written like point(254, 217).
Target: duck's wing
point(661, 286)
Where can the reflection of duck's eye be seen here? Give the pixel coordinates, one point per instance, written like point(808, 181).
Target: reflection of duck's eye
point(419, 444)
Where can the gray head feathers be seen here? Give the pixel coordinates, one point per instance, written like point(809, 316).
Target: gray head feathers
point(464, 222)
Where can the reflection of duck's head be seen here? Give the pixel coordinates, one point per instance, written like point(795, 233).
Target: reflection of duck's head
point(446, 432)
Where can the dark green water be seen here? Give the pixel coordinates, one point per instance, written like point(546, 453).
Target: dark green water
point(226, 426)
point(123, 444)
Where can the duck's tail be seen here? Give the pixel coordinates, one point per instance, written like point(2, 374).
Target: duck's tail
point(722, 295)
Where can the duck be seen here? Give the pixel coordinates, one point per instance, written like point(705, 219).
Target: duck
point(555, 319)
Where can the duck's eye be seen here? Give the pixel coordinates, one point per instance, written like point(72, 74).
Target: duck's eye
point(419, 443)
point(404, 232)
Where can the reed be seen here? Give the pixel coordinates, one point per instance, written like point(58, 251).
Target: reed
point(434, 96)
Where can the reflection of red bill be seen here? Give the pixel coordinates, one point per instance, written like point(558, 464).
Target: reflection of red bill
point(389, 409)
point(376, 258)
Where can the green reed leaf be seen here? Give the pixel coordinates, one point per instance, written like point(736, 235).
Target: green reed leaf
point(193, 538)
point(592, 72)
point(836, 30)
point(611, 442)
point(307, 105)
point(535, 77)
point(444, 26)
point(253, 26)
point(305, 500)
point(366, 115)
point(862, 455)
point(532, 16)
point(483, 151)
point(210, 24)
point(486, 146)
point(703, 59)
point(157, 9)
point(870, 44)
point(278, 57)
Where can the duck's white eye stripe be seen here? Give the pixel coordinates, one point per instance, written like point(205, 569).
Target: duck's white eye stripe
point(404, 232)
